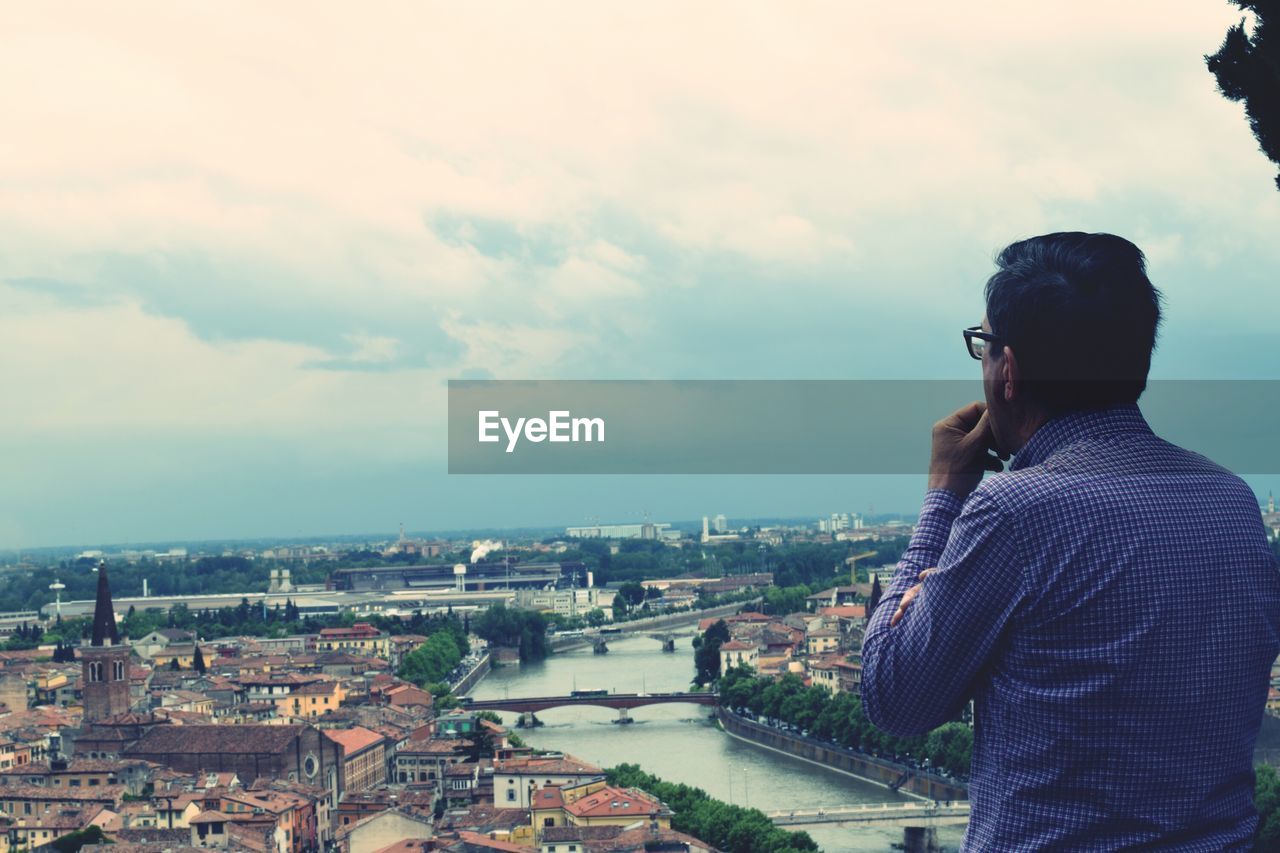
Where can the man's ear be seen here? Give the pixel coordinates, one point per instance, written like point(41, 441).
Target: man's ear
point(1010, 376)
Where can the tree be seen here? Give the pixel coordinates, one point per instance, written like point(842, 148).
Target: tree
point(73, 841)
point(1266, 798)
point(198, 661)
point(706, 660)
point(596, 617)
point(633, 593)
point(874, 600)
point(173, 665)
point(525, 630)
point(432, 661)
point(1247, 68)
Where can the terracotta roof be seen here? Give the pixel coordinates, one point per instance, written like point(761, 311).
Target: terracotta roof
point(436, 745)
point(213, 739)
point(485, 841)
point(615, 802)
point(567, 766)
point(410, 845)
point(845, 611)
point(353, 740)
point(319, 688)
point(549, 797)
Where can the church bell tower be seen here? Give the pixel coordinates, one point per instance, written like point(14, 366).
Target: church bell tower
point(104, 664)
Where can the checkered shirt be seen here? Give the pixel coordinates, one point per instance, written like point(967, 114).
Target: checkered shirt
point(1112, 607)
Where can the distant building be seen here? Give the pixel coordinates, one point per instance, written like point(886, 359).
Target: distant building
point(360, 637)
point(644, 530)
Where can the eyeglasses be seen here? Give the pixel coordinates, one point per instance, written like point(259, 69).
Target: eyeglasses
point(976, 340)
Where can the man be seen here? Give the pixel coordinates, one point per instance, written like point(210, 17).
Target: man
point(1110, 603)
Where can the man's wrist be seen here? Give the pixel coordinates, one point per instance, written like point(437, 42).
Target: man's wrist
point(960, 487)
point(933, 528)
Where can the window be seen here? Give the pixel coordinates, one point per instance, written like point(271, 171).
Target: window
point(119, 670)
point(548, 821)
point(511, 796)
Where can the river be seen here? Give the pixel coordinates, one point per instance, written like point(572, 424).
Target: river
point(680, 743)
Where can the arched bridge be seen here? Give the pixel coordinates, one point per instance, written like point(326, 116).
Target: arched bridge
point(621, 701)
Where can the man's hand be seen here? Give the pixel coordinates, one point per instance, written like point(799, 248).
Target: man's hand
point(909, 596)
point(962, 444)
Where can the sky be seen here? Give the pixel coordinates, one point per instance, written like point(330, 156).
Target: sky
point(243, 247)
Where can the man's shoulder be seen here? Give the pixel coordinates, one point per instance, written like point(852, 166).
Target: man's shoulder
point(1150, 468)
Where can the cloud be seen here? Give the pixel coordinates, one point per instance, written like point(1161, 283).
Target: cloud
point(278, 229)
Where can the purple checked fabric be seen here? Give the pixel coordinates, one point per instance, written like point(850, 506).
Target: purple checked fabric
point(1112, 607)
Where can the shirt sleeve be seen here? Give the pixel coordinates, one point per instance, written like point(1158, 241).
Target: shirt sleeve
point(919, 673)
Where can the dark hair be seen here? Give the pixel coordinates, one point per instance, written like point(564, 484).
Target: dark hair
point(1080, 315)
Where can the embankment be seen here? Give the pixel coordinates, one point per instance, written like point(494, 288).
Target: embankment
point(890, 774)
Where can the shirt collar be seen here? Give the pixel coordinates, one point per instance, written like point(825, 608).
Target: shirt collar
point(1072, 426)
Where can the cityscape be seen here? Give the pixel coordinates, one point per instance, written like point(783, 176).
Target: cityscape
point(470, 695)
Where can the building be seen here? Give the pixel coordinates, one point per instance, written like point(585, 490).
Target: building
point(361, 637)
point(821, 640)
point(309, 701)
point(364, 757)
point(160, 639)
point(645, 530)
point(477, 577)
point(565, 602)
point(737, 653)
point(594, 803)
point(426, 760)
point(104, 663)
point(516, 780)
point(299, 753)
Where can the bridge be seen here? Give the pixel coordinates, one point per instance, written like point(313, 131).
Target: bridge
point(623, 702)
point(879, 814)
point(668, 638)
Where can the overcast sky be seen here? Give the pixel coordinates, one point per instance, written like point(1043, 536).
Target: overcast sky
point(242, 247)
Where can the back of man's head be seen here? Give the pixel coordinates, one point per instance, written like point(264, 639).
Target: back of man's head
point(1080, 315)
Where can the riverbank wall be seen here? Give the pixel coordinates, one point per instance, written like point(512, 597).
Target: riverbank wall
point(472, 678)
point(653, 623)
point(868, 768)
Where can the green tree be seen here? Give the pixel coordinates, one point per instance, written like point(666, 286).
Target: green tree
point(633, 593)
point(73, 841)
point(706, 657)
point(431, 661)
point(525, 630)
point(1247, 68)
point(1266, 798)
point(198, 661)
point(728, 827)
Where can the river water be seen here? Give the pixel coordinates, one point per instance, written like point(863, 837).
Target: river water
point(680, 743)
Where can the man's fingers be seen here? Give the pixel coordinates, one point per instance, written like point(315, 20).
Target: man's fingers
point(968, 417)
point(992, 463)
point(907, 598)
point(924, 573)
